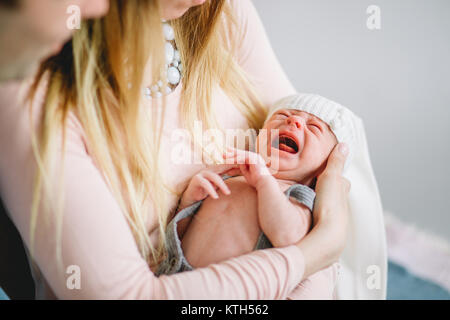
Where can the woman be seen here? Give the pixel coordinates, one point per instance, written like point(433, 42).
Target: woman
point(99, 198)
point(31, 30)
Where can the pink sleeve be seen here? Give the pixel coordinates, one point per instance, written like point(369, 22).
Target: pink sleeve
point(318, 286)
point(256, 56)
point(96, 236)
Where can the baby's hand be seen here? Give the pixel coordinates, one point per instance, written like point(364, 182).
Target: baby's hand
point(252, 165)
point(206, 183)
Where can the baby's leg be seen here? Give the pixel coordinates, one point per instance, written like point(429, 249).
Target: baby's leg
point(319, 286)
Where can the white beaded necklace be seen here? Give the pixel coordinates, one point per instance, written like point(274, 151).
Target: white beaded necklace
point(173, 66)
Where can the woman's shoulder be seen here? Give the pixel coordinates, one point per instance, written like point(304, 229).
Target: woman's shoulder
point(20, 116)
point(241, 12)
point(240, 7)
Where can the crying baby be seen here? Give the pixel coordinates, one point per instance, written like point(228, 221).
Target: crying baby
point(270, 202)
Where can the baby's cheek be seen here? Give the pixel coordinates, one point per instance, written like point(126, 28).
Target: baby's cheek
point(327, 145)
point(319, 161)
point(312, 161)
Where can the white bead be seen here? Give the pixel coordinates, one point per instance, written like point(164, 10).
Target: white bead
point(173, 75)
point(169, 34)
point(172, 64)
point(169, 52)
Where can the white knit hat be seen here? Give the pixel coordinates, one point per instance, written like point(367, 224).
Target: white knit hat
point(338, 117)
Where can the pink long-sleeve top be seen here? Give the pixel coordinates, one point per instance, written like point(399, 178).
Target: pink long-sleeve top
point(95, 234)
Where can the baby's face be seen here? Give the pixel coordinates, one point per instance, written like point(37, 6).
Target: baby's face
point(299, 147)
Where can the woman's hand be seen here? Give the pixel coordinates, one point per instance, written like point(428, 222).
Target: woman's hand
point(206, 183)
point(323, 245)
point(251, 165)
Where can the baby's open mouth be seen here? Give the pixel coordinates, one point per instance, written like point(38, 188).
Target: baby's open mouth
point(285, 143)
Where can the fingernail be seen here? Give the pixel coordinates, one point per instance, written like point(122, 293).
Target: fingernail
point(343, 148)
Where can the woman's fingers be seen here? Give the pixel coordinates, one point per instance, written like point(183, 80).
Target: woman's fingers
point(336, 160)
point(330, 214)
point(331, 188)
point(216, 180)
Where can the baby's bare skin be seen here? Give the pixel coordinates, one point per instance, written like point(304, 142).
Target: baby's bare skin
point(225, 227)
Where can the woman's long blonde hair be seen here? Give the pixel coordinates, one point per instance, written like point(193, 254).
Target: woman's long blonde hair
point(98, 77)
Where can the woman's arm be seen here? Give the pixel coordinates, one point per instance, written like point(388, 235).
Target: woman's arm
point(97, 238)
point(330, 215)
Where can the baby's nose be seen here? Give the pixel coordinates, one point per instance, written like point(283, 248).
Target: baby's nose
point(295, 121)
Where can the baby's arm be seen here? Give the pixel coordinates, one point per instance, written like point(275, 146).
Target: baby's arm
point(283, 221)
point(205, 183)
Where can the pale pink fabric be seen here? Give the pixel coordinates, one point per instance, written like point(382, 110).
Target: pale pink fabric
point(319, 286)
point(96, 236)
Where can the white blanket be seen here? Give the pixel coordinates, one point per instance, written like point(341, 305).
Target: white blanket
point(363, 273)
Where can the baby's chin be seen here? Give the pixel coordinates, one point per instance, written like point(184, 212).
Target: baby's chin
point(285, 174)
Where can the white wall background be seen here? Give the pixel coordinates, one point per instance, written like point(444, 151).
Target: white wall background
point(397, 79)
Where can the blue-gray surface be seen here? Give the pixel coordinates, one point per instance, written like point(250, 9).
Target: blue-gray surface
point(404, 285)
point(3, 296)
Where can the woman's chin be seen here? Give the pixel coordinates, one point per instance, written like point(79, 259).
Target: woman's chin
point(173, 14)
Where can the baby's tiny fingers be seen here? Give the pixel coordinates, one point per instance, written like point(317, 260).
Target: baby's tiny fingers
point(232, 152)
point(235, 159)
point(208, 187)
point(227, 155)
point(218, 181)
point(234, 172)
point(222, 168)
